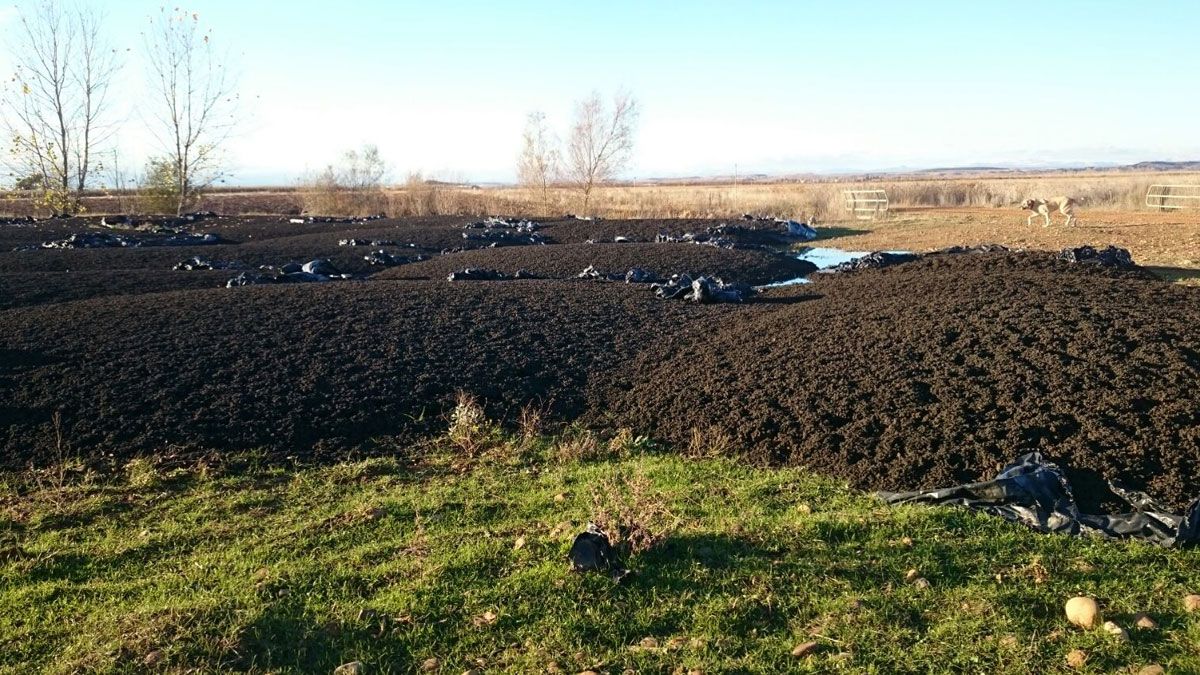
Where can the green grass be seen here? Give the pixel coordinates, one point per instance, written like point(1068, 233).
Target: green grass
point(249, 567)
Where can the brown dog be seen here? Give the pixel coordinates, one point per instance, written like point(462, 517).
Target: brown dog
point(1043, 207)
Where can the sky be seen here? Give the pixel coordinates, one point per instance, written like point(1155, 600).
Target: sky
point(753, 86)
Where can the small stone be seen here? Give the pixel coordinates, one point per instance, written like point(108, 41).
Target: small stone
point(677, 642)
point(1191, 602)
point(553, 667)
point(153, 657)
point(648, 643)
point(1116, 631)
point(519, 543)
point(588, 672)
point(352, 668)
point(805, 649)
point(911, 575)
point(560, 497)
point(1152, 669)
point(486, 619)
point(1076, 658)
point(1082, 611)
point(1142, 620)
point(906, 541)
point(430, 664)
point(804, 509)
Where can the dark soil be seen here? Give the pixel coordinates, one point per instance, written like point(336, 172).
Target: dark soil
point(924, 374)
point(936, 372)
point(643, 229)
point(567, 261)
point(21, 289)
point(287, 368)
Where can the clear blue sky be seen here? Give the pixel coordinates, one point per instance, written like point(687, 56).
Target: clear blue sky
point(774, 87)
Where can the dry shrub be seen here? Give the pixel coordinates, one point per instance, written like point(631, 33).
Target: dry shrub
point(579, 445)
point(633, 515)
point(710, 441)
point(531, 422)
point(351, 188)
point(323, 197)
point(470, 429)
point(141, 473)
point(624, 443)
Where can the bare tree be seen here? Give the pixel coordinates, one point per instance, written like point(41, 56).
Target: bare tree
point(195, 102)
point(59, 100)
point(601, 141)
point(538, 163)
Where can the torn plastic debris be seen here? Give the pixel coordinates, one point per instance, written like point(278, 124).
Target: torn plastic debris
point(320, 267)
point(505, 237)
point(314, 271)
point(876, 260)
point(806, 231)
point(638, 275)
point(592, 552)
point(981, 248)
point(333, 219)
point(384, 259)
point(501, 223)
point(198, 263)
point(109, 240)
point(635, 275)
point(94, 240)
point(368, 242)
point(1111, 256)
point(704, 290)
point(1036, 493)
point(478, 274)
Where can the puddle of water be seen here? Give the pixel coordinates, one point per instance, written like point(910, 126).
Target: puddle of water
point(824, 258)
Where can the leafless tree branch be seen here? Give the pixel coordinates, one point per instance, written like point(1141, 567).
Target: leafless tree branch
point(54, 115)
point(601, 141)
point(196, 101)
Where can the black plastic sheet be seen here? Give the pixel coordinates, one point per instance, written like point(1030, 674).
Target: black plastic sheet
point(1036, 493)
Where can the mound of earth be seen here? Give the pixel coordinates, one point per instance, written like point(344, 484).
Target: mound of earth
point(22, 289)
point(566, 261)
point(289, 368)
point(936, 372)
point(647, 229)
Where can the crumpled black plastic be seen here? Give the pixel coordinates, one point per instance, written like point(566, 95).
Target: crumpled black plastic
point(635, 275)
point(705, 290)
point(479, 274)
point(1112, 256)
point(876, 260)
point(1036, 493)
point(592, 552)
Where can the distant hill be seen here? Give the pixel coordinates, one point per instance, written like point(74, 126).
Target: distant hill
point(1193, 165)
